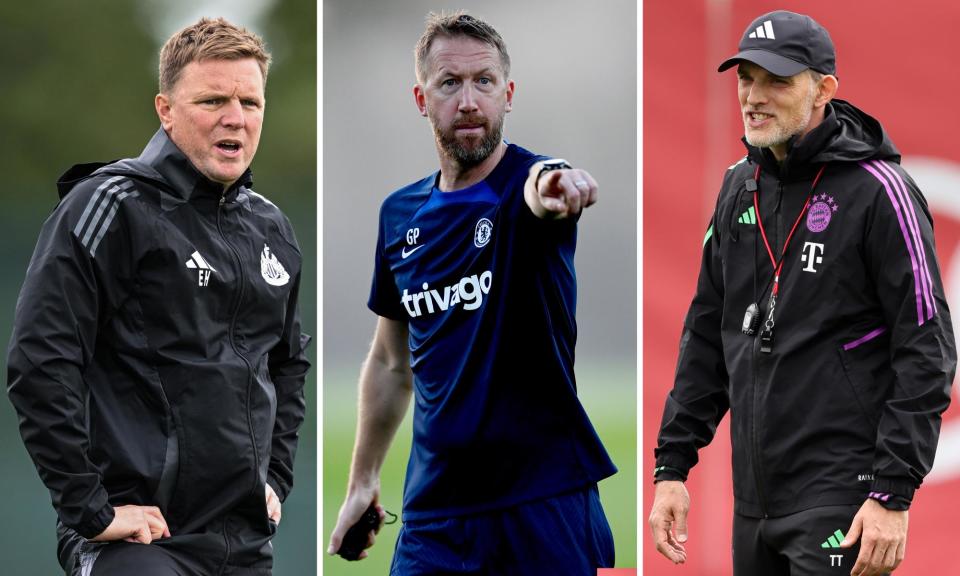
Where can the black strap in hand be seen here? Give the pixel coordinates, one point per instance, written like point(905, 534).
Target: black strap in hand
point(356, 537)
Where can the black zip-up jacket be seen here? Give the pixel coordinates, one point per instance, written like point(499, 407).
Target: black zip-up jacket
point(157, 357)
point(849, 397)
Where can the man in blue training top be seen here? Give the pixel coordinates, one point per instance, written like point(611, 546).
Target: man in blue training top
point(475, 291)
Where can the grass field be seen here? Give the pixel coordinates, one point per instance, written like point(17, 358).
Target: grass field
point(609, 395)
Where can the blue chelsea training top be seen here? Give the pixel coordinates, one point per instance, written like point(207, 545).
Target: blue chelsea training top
point(489, 293)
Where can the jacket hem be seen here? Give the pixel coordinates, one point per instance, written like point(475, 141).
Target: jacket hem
point(785, 508)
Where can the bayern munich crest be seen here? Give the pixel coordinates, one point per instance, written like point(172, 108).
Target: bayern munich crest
point(818, 218)
point(482, 233)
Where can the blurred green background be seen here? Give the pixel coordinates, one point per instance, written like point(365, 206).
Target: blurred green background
point(78, 86)
point(575, 71)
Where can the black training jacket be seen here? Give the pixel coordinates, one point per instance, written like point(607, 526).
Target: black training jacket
point(849, 397)
point(157, 357)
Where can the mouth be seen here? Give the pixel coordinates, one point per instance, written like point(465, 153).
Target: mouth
point(229, 148)
point(469, 123)
point(757, 119)
point(470, 130)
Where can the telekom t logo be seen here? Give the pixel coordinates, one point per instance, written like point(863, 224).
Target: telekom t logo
point(811, 255)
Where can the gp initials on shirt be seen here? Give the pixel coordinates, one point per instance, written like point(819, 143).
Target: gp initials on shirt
point(468, 291)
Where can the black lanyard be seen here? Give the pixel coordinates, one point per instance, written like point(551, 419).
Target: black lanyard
point(766, 336)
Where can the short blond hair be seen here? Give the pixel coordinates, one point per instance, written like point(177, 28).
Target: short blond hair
point(457, 24)
point(209, 38)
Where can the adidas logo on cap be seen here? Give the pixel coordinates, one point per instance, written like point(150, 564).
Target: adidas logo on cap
point(764, 31)
point(785, 44)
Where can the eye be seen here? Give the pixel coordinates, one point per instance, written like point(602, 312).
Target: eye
point(250, 103)
point(212, 101)
point(449, 82)
point(484, 81)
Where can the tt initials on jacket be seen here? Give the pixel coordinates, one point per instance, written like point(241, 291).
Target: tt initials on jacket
point(468, 291)
point(812, 254)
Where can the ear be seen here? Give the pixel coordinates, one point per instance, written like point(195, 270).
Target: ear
point(510, 89)
point(162, 103)
point(420, 99)
point(826, 90)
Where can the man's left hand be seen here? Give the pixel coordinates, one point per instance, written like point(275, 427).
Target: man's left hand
point(883, 542)
point(559, 193)
point(273, 504)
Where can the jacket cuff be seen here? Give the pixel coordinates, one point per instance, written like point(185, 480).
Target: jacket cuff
point(661, 473)
point(671, 466)
point(95, 525)
point(892, 493)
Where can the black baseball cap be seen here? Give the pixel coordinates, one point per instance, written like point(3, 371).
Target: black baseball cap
point(785, 43)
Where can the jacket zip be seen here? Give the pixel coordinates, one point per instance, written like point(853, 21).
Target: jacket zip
point(778, 207)
point(757, 475)
point(755, 450)
point(754, 436)
point(233, 344)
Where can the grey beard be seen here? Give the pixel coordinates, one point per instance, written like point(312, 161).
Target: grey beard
point(470, 157)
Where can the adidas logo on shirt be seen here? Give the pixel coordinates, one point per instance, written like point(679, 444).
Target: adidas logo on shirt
point(764, 31)
point(748, 217)
point(196, 262)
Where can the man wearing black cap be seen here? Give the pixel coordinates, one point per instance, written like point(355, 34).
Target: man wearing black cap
point(819, 321)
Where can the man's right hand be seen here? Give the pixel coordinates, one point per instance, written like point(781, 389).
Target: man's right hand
point(354, 506)
point(668, 519)
point(132, 523)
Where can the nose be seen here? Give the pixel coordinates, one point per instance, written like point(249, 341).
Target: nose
point(468, 102)
point(233, 114)
point(757, 94)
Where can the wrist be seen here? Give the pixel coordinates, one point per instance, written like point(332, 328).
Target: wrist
point(548, 165)
point(364, 483)
point(278, 488)
point(661, 473)
point(98, 524)
point(892, 493)
point(890, 501)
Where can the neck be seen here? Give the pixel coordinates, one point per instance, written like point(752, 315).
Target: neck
point(455, 177)
point(816, 118)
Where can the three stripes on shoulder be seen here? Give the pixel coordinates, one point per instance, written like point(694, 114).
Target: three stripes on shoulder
point(101, 210)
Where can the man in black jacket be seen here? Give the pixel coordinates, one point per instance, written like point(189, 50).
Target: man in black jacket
point(819, 320)
point(157, 362)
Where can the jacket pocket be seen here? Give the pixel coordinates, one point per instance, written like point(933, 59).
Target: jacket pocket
point(167, 479)
point(866, 369)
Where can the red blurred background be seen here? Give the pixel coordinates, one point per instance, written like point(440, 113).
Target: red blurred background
point(896, 61)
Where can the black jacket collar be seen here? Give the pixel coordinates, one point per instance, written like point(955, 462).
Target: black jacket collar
point(801, 152)
point(847, 134)
point(179, 173)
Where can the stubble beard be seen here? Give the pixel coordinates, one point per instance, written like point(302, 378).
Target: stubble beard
point(468, 155)
point(792, 125)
